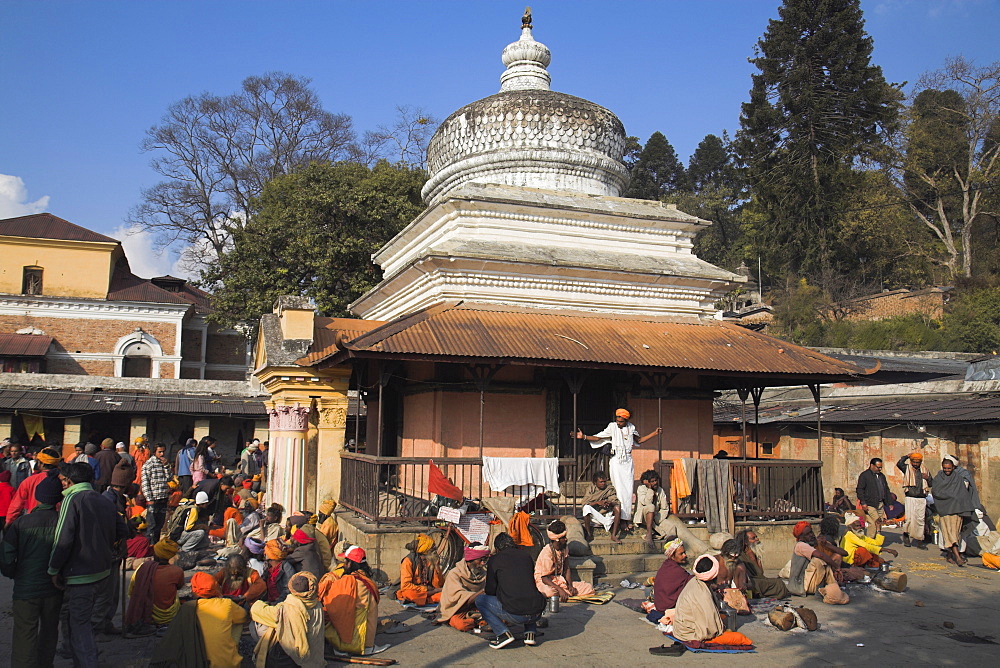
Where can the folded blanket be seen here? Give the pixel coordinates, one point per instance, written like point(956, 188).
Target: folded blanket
point(596, 599)
point(730, 642)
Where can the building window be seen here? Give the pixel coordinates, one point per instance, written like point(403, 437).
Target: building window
point(138, 362)
point(31, 281)
point(767, 448)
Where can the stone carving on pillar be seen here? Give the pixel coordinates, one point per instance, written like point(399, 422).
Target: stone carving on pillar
point(332, 416)
point(289, 418)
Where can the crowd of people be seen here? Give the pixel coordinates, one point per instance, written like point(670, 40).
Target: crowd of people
point(189, 550)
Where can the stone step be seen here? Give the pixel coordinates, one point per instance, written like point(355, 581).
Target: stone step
point(625, 564)
point(634, 545)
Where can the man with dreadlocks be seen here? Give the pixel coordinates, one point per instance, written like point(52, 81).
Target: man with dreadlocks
point(420, 578)
point(552, 576)
point(748, 545)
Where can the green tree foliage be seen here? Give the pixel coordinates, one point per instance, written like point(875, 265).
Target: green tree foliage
point(817, 106)
point(947, 159)
point(313, 234)
point(717, 194)
point(972, 323)
point(657, 172)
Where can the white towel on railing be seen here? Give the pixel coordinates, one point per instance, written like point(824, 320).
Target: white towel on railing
point(503, 472)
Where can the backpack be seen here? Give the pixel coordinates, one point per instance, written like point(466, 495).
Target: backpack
point(175, 527)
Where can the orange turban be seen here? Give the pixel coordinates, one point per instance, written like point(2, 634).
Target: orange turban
point(800, 528)
point(621, 412)
point(273, 550)
point(204, 585)
point(916, 457)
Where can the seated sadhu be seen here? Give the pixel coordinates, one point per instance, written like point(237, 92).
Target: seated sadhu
point(669, 582)
point(420, 578)
point(153, 591)
point(291, 632)
point(696, 615)
point(350, 598)
point(812, 570)
point(861, 550)
point(462, 585)
point(552, 576)
point(240, 582)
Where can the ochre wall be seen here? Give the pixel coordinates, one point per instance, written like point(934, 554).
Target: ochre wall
point(70, 269)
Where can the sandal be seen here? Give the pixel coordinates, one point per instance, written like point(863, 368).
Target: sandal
point(673, 650)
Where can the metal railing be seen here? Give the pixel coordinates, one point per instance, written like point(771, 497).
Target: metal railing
point(763, 489)
point(394, 489)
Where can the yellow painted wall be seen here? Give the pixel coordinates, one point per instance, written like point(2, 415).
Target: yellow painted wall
point(70, 268)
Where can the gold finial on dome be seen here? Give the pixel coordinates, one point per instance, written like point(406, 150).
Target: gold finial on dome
point(526, 19)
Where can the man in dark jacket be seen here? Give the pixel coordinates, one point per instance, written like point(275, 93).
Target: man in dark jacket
point(510, 596)
point(873, 495)
point(24, 556)
point(108, 459)
point(83, 554)
point(106, 605)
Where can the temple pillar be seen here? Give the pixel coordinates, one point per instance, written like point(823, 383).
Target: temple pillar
point(331, 427)
point(137, 427)
point(288, 430)
point(71, 434)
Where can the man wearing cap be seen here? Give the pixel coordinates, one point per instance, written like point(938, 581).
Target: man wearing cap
point(462, 585)
point(83, 554)
point(108, 459)
point(304, 556)
point(250, 459)
point(122, 451)
point(23, 500)
point(194, 524)
point(552, 574)
point(670, 580)
point(350, 604)
point(154, 478)
point(915, 483)
point(24, 555)
point(153, 591)
point(221, 621)
point(873, 495)
point(623, 436)
point(812, 570)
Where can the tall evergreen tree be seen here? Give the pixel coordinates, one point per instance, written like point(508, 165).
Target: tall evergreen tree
point(657, 171)
point(816, 107)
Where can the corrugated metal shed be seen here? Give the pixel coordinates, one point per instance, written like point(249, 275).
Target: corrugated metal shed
point(473, 332)
point(24, 345)
point(93, 402)
point(963, 409)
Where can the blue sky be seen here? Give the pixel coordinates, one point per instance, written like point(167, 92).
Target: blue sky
point(82, 81)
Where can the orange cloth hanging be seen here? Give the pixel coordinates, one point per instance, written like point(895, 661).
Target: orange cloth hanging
point(679, 488)
point(518, 529)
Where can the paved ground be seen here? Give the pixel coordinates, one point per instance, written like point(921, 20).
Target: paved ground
point(892, 628)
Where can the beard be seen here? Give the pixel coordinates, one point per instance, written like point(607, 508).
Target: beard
point(758, 551)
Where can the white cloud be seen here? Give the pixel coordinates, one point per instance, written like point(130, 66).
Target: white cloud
point(146, 260)
point(14, 196)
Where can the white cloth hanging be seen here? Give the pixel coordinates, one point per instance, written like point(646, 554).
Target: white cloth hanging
point(503, 472)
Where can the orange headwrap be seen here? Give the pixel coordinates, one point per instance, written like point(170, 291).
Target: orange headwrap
point(204, 585)
point(800, 528)
point(45, 457)
point(273, 550)
point(621, 412)
point(916, 457)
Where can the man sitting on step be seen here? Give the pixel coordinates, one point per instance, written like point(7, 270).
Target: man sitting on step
point(552, 576)
point(601, 505)
point(652, 509)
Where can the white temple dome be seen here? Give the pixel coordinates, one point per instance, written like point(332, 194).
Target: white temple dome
point(527, 135)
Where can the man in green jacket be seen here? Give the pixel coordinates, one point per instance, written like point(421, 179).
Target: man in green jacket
point(88, 530)
point(24, 556)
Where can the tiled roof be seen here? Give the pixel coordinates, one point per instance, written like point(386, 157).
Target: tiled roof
point(473, 332)
point(126, 286)
point(24, 345)
point(47, 226)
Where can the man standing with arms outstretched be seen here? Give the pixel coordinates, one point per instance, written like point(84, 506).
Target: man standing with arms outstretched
point(623, 436)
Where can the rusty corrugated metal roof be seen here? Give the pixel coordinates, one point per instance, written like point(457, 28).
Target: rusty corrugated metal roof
point(47, 226)
point(917, 411)
point(92, 402)
point(24, 345)
point(326, 333)
point(470, 332)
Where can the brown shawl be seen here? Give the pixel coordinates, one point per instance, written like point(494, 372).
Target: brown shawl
point(595, 496)
point(461, 586)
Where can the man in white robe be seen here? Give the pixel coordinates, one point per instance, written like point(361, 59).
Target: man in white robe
point(623, 436)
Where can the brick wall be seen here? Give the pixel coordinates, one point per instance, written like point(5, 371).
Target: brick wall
point(928, 302)
point(191, 345)
point(91, 336)
point(225, 348)
point(80, 367)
